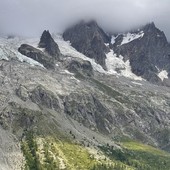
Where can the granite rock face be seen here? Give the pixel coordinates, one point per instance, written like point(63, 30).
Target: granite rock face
point(148, 54)
point(50, 46)
point(89, 111)
point(79, 66)
point(37, 55)
point(89, 39)
point(147, 50)
point(22, 93)
point(43, 97)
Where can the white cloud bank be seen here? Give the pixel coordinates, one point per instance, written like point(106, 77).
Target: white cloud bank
point(31, 17)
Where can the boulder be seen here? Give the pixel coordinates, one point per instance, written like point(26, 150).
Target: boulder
point(77, 65)
point(37, 55)
point(88, 110)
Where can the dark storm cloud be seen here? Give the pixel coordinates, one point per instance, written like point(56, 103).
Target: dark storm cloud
point(31, 17)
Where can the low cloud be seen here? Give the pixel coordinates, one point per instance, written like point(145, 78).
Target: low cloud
point(31, 17)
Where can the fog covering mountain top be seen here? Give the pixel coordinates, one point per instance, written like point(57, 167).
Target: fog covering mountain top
point(30, 18)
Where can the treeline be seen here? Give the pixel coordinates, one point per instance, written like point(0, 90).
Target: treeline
point(137, 159)
point(32, 158)
point(117, 166)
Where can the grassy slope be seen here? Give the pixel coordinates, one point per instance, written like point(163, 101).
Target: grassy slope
point(139, 156)
point(54, 151)
point(61, 153)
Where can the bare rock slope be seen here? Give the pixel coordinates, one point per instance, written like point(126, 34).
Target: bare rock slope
point(75, 107)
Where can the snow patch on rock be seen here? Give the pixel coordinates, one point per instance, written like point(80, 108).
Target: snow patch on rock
point(136, 83)
point(113, 39)
point(163, 75)
point(66, 49)
point(131, 36)
point(9, 49)
point(116, 65)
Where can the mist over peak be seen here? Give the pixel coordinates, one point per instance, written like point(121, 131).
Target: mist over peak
point(30, 18)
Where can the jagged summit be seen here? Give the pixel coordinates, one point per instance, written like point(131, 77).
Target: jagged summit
point(47, 58)
point(89, 39)
point(147, 50)
point(47, 42)
point(149, 27)
point(152, 31)
point(93, 24)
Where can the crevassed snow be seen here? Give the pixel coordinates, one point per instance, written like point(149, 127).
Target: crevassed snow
point(3, 55)
point(131, 36)
point(116, 65)
point(66, 49)
point(163, 75)
point(113, 39)
point(32, 62)
point(9, 49)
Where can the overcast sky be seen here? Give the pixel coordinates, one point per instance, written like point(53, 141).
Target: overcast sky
point(31, 17)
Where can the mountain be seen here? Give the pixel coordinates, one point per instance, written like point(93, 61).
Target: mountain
point(146, 49)
point(89, 39)
point(37, 55)
point(50, 46)
point(63, 109)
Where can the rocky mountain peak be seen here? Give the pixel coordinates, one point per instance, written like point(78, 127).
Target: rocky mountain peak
point(147, 48)
point(45, 35)
point(92, 23)
point(155, 34)
point(148, 51)
point(47, 42)
point(48, 57)
point(150, 26)
point(89, 39)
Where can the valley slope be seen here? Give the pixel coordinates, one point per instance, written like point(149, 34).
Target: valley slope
point(72, 111)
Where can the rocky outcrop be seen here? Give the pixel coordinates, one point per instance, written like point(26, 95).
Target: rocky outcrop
point(147, 48)
point(44, 98)
point(76, 65)
point(90, 40)
point(50, 46)
point(22, 93)
point(37, 55)
point(89, 111)
point(148, 54)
